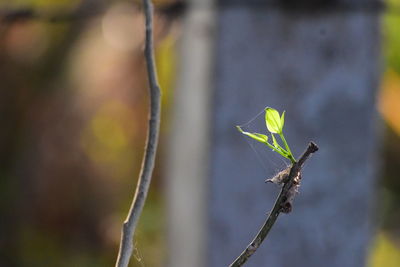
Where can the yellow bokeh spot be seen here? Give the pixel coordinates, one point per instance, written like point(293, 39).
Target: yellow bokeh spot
point(166, 65)
point(107, 139)
point(107, 131)
point(384, 253)
point(389, 99)
point(42, 3)
point(166, 68)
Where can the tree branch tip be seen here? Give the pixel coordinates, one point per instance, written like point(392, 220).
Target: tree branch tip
point(290, 179)
point(313, 147)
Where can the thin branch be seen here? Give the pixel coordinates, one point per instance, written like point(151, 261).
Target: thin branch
point(282, 204)
point(129, 226)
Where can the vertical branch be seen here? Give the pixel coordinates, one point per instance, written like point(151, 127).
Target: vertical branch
point(129, 226)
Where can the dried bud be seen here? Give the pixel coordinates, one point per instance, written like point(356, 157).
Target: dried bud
point(287, 204)
point(286, 207)
point(280, 178)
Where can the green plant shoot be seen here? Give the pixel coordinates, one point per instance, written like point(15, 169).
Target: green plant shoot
point(274, 123)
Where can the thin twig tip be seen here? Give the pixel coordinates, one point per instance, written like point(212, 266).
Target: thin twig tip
point(313, 147)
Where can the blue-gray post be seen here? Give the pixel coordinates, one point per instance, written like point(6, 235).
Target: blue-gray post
point(322, 67)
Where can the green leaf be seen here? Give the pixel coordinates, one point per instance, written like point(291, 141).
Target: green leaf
point(283, 119)
point(256, 136)
point(273, 120)
point(278, 147)
point(274, 141)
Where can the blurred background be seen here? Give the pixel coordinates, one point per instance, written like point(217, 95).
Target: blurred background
point(73, 109)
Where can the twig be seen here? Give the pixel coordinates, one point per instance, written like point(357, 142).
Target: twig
point(282, 204)
point(129, 226)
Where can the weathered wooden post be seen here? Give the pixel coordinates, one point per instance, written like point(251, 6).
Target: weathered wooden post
point(188, 154)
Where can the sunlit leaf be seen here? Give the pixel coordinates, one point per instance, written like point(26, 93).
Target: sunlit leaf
point(256, 136)
point(274, 141)
point(273, 120)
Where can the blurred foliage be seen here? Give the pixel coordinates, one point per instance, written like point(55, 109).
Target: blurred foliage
point(39, 3)
point(389, 98)
point(385, 253)
point(166, 67)
point(386, 248)
point(391, 22)
point(74, 110)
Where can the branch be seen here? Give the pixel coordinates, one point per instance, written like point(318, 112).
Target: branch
point(282, 204)
point(129, 226)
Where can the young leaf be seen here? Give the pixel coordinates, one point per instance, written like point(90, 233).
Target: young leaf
point(273, 120)
point(256, 136)
point(274, 141)
point(264, 139)
point(283, 119)
point(277, 146)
